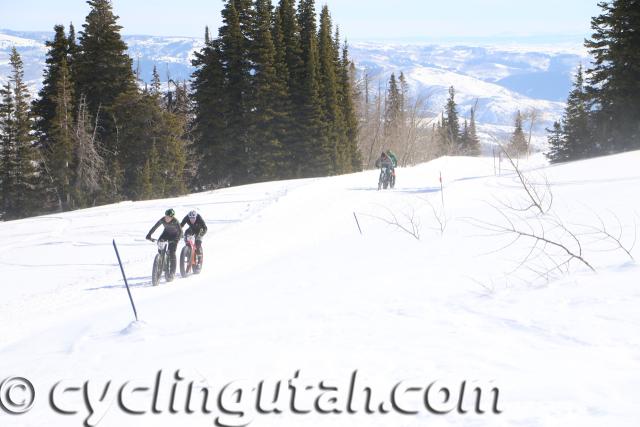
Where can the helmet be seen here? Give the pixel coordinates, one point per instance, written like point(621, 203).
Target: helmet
point(193, 215)
point(170, 212)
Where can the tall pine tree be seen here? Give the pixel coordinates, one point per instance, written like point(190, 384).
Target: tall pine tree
point(102, 66)
point(44, 106)
point(615, 77)
point(469, 142)
point(59, 155)
point(393, 109)
point(102, 72)
point(317, 157)
point(557, 145)
point(234, 49)
point(451, 124)
point(328, 84)
point(347, 96)
point(289, 57)
point(518, 143)
point(576, 122)
point(209, 115)
point(268, 124)
point(18, 156)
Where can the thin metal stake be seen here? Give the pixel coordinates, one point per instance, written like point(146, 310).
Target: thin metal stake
point(135, 313)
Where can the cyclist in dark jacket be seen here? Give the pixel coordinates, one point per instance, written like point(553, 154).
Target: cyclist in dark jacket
point(197, 228)
point(394, 161)
point(384, 161)
point(172, 233)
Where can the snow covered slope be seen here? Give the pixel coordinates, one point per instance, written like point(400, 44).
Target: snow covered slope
point(289, 284)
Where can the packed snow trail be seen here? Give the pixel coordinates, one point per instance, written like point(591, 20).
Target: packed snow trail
point(290, 284)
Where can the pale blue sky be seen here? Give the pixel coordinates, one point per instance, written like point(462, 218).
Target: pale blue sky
point(358, 19)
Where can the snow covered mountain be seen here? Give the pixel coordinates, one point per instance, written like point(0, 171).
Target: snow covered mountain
point(291, 284)
point(502, 79)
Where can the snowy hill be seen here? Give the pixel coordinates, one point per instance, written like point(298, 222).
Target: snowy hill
point(502, 78)
point(289, 284)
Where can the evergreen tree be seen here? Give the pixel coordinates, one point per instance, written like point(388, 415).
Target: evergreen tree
point(44, 106)
point(328, 85)
point(318, 150)
point(452, 123)
point(268, 110)
point(469, 142)
point(209, 115)
point(73, 51)
point(289, 60)
point(291, 44)
point(576, 122)
point(347, 95)
point(156, 86)
point(614, 88)
point(53, 112)
point(181, 103)
point(473, 142)
point(171, 136)
point(102, 72)
point(25, 199)
point(7, 149)
point(280, 49)
point(403, 94)
point(72, 46)
point(557, 145)
point(18, 153)
point(146, 126)
point(103, 68)
point(393, 108)
point(59, 155)
point(234, 45)
point(207, 37)
point(518, 143)
point(464, 137)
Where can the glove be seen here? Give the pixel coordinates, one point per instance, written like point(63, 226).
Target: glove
point(149, 238)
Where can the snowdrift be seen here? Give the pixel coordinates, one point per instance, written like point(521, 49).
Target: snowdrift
point(290, 284)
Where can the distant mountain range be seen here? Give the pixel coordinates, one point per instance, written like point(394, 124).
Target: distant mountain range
point(501, 78)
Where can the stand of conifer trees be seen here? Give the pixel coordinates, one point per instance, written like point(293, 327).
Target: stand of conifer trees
point(271, 98)
point(603, 110)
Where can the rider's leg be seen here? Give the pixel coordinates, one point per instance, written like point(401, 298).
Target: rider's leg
point(173, 246)
point(198, 246)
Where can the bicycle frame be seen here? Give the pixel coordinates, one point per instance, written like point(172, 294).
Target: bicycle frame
point(162, 246)
point(190, 241)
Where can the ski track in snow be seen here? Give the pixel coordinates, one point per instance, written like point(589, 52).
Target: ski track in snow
point(289, 283)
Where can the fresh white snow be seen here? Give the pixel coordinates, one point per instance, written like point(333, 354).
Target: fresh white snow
point(290, 284)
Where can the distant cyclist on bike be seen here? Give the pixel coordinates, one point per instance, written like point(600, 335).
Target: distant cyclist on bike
point(197, 228)
point(384, 161)
point(394, 160)
point(172, 233)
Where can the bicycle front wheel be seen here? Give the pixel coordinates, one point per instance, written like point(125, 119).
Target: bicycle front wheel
point(157, 270)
